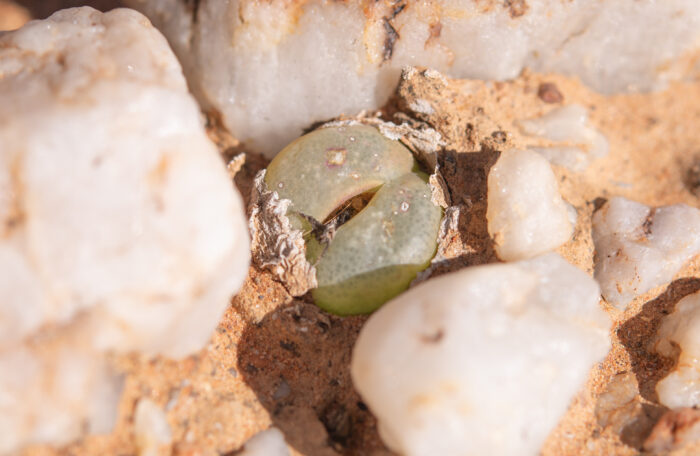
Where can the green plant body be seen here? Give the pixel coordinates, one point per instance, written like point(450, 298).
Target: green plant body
point(377, 253)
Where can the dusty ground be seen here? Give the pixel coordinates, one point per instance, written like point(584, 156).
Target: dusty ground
point(275, 360)
point(278, 360)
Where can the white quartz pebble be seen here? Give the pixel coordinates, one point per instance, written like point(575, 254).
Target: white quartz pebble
point(568, 125)
point(681, 388)
point(526, 214)
point(151, 429)
point(481, 361)
point(272, 68)
point(639, 248)
point(53, 394)
point(120, 229)
point(269, 442)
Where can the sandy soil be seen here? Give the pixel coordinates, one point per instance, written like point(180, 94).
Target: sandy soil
point(276, 360)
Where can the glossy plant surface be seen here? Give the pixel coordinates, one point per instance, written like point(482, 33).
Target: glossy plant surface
point(374, 256)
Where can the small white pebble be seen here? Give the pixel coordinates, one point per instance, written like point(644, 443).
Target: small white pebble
point(568, 125)
point(151, 428)
point(526, 214)
point(266, 443)
point(681, 388)
point(639, 248)
point(422, 106)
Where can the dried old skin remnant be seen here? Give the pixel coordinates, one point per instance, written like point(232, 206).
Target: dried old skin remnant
point(374, 256)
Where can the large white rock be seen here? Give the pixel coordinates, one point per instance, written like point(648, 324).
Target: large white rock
point(118, 222)
point(639, 248)
point(526, 214)
point(580, 143)
point(481, 361)
point(681, 388)
point(274, 67)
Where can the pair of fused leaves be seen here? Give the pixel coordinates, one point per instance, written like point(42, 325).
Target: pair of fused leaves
point(377, 253)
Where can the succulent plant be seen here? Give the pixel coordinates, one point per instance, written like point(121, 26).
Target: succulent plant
point(375, 255)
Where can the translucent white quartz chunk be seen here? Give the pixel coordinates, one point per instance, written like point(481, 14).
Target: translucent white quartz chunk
point(639, 248)
point(119, 226)
point(481, 361)
point(681, 388)
point(568, 125)
point(272, 68)
point(54, 394)
point(526, 214)
point(151, 429)
point(269, 442)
